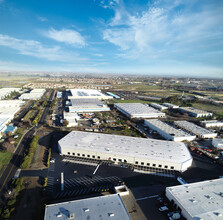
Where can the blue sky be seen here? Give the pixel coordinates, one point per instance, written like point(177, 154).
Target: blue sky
point(163, 37)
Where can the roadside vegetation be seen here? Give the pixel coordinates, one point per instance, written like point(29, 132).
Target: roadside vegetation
point(15, 189)
point(37, 118)
point(5, 157)
point(30, 152)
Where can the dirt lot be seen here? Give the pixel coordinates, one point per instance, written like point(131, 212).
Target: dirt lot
point(39, 159)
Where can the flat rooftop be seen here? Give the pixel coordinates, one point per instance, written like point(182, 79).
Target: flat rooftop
point(159, 106)
point(127, 146)
point(86, 103)
point(195, 129)
point(168, 128)
point(8, 111)
point(102, 207)
point(212, 122)
point(170, 105)
point(203, 200)
point(90, 93)
point(138, 109)
point(11, 102)
point(194, 110)
point(218, 141)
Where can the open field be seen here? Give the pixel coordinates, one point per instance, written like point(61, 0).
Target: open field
point(4, 158)
point(208, 107)
point(130, 101)
point(8, 80)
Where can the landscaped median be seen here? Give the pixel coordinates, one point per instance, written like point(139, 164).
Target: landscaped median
point(30, 152)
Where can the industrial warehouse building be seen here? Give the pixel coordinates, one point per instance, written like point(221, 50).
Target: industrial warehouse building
point(167, 131)
point(195, 112)
point(195, 129)
point(35, 94)
point(199, 201)
point(8, 109)
point(138, 110)
point(87, 93)
point(7, 91)
point(72, 118)
point(123, 149)
point(101, 207)
point(171, 106)
point(11, 103)
point(87, 105)
point(212, 123)
point(158, 106)
point(217, 143)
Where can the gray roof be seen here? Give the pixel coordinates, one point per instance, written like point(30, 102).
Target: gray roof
point(97, 208)
point(127, 146)
point(202, 200)
point(86, 102)
point(168, 128)
point(194, 110)
point(137, 109)
point(193, 128)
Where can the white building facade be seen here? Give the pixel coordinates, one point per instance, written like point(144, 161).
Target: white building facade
point(138, 110)
point(167, 131)
point(195, 129)
point(123, 149)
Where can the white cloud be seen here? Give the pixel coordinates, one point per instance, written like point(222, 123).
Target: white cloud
point(166, 30)
point(66, 36)
point(36, 49)
point(97, 55)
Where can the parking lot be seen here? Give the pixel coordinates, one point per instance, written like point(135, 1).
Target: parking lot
point(79, 179)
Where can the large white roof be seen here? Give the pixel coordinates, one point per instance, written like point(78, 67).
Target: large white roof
point(127, 146)
point(11, 102)
point(202, 200)
point(102, 207)
point(8, 111)
point(168, 128)
point(139, 109)
point(195, 129)
point(88, 93)
point(79, 103)
point(194, 110)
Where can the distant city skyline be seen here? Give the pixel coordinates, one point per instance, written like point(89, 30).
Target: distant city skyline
point(164, 37)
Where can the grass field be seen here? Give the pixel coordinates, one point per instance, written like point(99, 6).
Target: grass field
point(4, 158)
point(7, 80)
point(209, 107)
point(30, 115)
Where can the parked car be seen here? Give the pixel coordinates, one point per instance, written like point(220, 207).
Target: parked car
point(174, 215)
point(52, 160)
point(163, 208)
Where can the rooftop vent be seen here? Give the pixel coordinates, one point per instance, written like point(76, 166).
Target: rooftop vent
point(192, 200)
point(111, 214)
point(71, 215)
point(59, 215)
point(218, 214)
point(209, 197)
point(86, 209)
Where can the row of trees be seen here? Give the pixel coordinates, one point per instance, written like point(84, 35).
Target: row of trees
point(30, 152)
point(8, 210)
point(36, 119)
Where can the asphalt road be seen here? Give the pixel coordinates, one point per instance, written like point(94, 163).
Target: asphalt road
point(17, 158)
point(16, 161)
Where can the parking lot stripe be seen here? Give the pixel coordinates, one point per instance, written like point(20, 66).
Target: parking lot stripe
point(148, 197)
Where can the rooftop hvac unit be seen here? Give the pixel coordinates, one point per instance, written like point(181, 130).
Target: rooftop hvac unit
point(71, 215)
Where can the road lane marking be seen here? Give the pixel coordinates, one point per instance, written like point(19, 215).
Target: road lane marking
point(147, 197)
